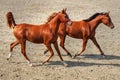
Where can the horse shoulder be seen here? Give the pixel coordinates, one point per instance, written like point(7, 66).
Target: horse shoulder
point(85, 28)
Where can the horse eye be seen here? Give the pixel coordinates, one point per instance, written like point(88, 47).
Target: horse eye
point(109, 19)
point(66, 16)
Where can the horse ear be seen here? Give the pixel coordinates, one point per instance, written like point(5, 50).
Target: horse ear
point(108, 12)
point(64, 10)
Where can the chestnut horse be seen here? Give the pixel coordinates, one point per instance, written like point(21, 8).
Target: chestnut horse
point(44, 33)
point(84, 30)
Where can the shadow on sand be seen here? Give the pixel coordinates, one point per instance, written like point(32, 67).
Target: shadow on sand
point(89, 56)
point(99, 57)
point(83, 64)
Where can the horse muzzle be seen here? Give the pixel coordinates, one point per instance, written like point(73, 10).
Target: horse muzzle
point(112, 27)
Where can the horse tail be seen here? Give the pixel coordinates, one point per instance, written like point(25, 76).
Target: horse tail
point(10, 20)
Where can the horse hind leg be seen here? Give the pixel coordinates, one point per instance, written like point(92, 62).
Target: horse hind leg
point(23, 51)
point(12, 45)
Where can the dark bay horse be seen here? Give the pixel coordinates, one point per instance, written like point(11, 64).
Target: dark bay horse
point(44, 33)
point(85, 30)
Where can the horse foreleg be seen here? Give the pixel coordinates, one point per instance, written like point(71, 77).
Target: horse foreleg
point(12, 45)
point(97, 45)
point(59, 54)
point(83, 47)
point(62, 41)
point(51, 53)
point(23, 51)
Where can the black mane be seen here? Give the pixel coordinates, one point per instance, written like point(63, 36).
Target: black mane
point(92, 17)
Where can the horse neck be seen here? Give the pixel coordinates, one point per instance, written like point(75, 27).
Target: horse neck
point(54, 24)
point(94, 23)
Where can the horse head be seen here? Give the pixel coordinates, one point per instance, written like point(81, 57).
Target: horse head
point(107, 20)
point(63, 16)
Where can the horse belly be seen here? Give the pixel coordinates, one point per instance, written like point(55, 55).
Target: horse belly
point(77, 35)
point(35, 38)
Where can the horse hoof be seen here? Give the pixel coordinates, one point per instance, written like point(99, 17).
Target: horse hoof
point(7, 59)
point(42, 63)
point(73, 57)
point(103, 56)
point(31, 65)
point(66, 65)
point(44, 53)
point(69, 55)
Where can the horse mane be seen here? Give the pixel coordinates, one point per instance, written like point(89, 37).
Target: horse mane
point(51, 17)
point(92, 17)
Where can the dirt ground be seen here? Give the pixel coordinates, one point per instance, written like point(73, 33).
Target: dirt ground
point(89, 66)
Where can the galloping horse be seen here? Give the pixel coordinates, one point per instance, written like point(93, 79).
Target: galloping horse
point(44, 33)
point(84, 30)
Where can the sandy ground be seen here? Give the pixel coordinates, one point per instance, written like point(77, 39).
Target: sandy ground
point(90, 66)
